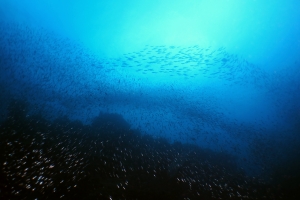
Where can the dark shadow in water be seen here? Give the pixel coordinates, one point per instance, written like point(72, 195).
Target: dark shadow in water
point(65, 159)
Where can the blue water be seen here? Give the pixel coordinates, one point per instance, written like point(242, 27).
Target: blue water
point(221, 75)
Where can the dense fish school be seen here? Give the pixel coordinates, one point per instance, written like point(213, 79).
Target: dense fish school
point(150, 124)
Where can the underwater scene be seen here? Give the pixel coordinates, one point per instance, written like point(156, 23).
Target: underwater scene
point(150, 99)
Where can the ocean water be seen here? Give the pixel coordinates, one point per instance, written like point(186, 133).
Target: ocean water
point(192, 99)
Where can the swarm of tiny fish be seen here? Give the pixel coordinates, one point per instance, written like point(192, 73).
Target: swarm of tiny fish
point(56, 145)
point(65, 159)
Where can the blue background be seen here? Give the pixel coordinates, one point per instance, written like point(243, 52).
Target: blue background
point(220, 74)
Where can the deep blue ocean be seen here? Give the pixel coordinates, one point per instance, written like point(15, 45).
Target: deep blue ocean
point(150, 99)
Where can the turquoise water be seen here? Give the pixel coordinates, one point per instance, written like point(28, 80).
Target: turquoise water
point(222, 76)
